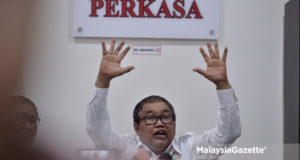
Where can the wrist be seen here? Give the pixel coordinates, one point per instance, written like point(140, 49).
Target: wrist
point(223, 85)
point(102, 82)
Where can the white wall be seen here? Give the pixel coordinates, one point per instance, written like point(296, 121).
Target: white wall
point(60, 73)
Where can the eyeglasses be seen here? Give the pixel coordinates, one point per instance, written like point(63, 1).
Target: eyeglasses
point(150, 120)
point(23, 118)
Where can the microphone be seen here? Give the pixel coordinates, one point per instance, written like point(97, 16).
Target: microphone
point(142, 154)
point(165, 156)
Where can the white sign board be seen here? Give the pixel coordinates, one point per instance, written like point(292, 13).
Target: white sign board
point(176, 19)
point(146, 50)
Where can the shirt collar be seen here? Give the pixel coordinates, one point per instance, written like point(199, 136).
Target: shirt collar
point(173, 148)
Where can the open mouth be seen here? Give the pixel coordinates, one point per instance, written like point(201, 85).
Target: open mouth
point(160, 134)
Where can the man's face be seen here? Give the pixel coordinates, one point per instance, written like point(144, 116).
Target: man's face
point(25, 118)
point(157, 136)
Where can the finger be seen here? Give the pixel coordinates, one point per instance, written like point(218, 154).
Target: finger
point(210, 50)
point(112, 46)
point(127, 69)
point(123, 54)
point(204, 55)
point(225, 54)
point(117, 51)
point(104, 52)
point(217, 55)
point(199, 70)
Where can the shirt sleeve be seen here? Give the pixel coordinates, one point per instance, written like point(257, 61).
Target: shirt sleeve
point(228, 127)
point(98, 123)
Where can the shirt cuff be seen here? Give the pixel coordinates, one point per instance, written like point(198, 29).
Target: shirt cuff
point(226, 97)
point(99, 93)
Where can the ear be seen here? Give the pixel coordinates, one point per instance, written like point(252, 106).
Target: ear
point(175, 125)
point(136, 127)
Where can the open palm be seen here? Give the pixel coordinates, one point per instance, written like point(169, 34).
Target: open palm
point(111, 62)
point(216, 66)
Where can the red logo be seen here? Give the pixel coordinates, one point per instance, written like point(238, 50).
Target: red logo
point(127, 9)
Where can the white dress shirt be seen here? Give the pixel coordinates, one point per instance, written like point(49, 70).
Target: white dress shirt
point(223, 135)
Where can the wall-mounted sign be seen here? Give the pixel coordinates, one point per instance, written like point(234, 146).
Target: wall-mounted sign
point(146, 50)
point(178, 19)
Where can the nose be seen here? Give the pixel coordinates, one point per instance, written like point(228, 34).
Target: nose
point(159, 123)
point(28, 125)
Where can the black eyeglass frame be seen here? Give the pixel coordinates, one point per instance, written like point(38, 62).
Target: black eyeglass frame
point(158, 117)
point(28, 118)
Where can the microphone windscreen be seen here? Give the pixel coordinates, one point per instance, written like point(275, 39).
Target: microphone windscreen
point(165, 156)
point(141, 154)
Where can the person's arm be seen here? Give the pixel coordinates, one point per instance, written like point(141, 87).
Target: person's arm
point(97, 119)
point(228, 128)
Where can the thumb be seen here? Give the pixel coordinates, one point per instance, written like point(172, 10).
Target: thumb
point(127, 69)
point(201, 71)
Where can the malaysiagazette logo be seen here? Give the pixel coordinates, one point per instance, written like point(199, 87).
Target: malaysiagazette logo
point(144, 9)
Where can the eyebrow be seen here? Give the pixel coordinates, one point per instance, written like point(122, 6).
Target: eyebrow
point(151, 111)
point(166, 110)
point(20, 113)
point(26, 114)
point(148, 112)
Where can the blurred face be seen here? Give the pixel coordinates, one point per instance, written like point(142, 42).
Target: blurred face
point(157, 135)
point(25, 119)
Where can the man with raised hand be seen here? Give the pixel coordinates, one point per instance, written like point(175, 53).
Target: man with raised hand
point(154, 116)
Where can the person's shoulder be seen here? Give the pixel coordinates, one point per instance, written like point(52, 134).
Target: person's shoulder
point(131, 138)
point(184, 137)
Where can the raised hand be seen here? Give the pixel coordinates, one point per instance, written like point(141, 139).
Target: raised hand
point(216, 67)
point(110, 65)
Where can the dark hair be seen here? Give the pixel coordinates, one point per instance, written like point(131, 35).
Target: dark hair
point(16, 100)
point(151, 99)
